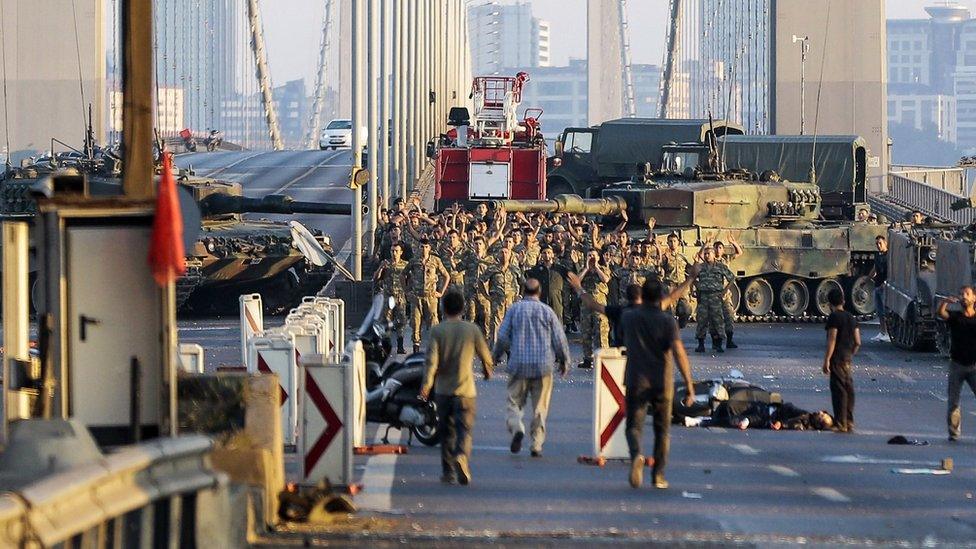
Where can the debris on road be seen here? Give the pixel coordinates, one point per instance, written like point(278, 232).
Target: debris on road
point(922, 471)
point(691, 495)
point(900, 439)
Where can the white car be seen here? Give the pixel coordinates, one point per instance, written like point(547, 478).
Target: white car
point(338, 135)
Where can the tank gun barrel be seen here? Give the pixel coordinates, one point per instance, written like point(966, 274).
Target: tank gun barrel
point(222, 204)
point(565, 203)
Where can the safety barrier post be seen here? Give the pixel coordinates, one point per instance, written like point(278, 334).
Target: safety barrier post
point(276, 354)
point(191, 358)
point(609, 408)
point(252, 322)
point(327, 419)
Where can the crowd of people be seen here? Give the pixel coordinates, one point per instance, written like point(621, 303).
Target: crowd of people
point(486, 255)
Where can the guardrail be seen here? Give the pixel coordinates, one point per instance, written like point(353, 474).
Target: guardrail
point(144, 495)
point(951, 180)
point(930, 200)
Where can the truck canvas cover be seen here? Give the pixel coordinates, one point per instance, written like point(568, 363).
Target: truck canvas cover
point(837, 158)
point(626, 142)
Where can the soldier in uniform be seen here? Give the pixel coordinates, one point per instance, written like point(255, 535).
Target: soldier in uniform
point(674, 271)
point(389, 278)
point(476, 265)
point(711, 284)
point(424, 289)
point(596, 329)
point(631, 272)
point(503, 282)
point(451, 253)
point(728, 311)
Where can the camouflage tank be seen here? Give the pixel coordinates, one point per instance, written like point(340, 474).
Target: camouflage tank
point(234, 255)
point(791, 259)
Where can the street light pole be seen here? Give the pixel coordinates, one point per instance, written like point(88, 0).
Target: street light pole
point(357, 149)
point(411, 95)
point(385, 138)
point(372, 98)
point(804, 50)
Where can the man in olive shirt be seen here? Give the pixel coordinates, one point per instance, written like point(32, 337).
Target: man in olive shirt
point(450, 372)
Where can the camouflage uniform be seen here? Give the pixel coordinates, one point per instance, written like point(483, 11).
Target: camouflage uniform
point(453, 262)
point(478, 303)
point(728, 313)
point(596, 327)
point(392, 286)
point(674, 272)
point(424, 285)
point(711, 283)
point(531, 256)
point(502, 289)
point(626, 276)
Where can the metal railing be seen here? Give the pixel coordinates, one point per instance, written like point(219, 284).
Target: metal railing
point(928, 199)
point(144, 493)
point(952, 180)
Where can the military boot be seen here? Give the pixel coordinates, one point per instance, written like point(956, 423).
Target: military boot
point(701, 345)
point(400, 349)
point(416, 348)
point(717, 345)
point(729, 344)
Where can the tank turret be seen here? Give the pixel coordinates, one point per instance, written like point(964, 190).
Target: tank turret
point(726, 203)
point(221, 198)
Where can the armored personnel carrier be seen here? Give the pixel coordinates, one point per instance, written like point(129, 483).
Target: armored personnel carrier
point(792, 258)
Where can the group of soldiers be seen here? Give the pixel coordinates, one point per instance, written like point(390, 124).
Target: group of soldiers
point(419, 255)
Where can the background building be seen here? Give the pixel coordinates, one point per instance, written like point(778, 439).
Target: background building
point(506, 35)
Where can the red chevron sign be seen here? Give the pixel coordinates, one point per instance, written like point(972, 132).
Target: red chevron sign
point(332, 422)
point(618, 396)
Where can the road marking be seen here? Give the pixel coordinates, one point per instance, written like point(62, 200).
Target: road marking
point(830, 494)
point(745, 449)
point(942, 398)
point(785, 471)
point(716, 429)
point(212, 173)
point(308, 172)
point(377, 479)
point(492, 448)
point(904, 377)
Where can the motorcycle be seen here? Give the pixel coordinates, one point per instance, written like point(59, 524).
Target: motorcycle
point(214, 140)
point(393, 387)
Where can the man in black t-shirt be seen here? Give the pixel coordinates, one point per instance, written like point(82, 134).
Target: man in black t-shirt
point(962, 351)
point(843, 341)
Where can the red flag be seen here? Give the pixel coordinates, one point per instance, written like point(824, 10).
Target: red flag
point(166, 255)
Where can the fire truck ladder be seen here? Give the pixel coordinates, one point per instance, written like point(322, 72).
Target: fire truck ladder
point(496, 101)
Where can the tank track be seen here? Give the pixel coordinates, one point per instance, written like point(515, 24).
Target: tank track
point(784, 319)
point(189, 282)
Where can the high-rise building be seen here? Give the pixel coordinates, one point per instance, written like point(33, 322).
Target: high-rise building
point(504, 36)
point(932, 74)
point(293, 107)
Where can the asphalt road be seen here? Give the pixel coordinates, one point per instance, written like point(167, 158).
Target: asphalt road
point(304, 175)
point(754, 487)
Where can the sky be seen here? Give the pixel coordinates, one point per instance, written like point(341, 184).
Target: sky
point(293, 30)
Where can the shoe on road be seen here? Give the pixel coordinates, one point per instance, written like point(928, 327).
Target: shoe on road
point(516, 446)
point(636, 471)
point(659, 482)
point(536, 453)
point(448, 479)
point(463, 471)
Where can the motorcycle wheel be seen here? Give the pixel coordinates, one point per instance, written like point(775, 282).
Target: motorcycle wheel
point(428, 433)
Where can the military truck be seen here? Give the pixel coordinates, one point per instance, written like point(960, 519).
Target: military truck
point(836, 163)
point(587, 159)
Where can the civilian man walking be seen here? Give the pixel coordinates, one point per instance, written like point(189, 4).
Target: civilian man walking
point(653, 346)
point(843, 341)
point(450, 365)
point(534, 339)
point(962, 351)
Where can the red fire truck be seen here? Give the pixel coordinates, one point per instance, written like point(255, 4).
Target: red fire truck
point(491, 155)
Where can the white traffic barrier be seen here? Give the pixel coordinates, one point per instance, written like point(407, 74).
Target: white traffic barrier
point(191, 358)
point(354, 358)
point(337, 321)
point(327, 441)
point(609, 409)
point(276, 354)
point(252, 322)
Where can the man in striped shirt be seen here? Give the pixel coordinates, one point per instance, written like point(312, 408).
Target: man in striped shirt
point(534, 339)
